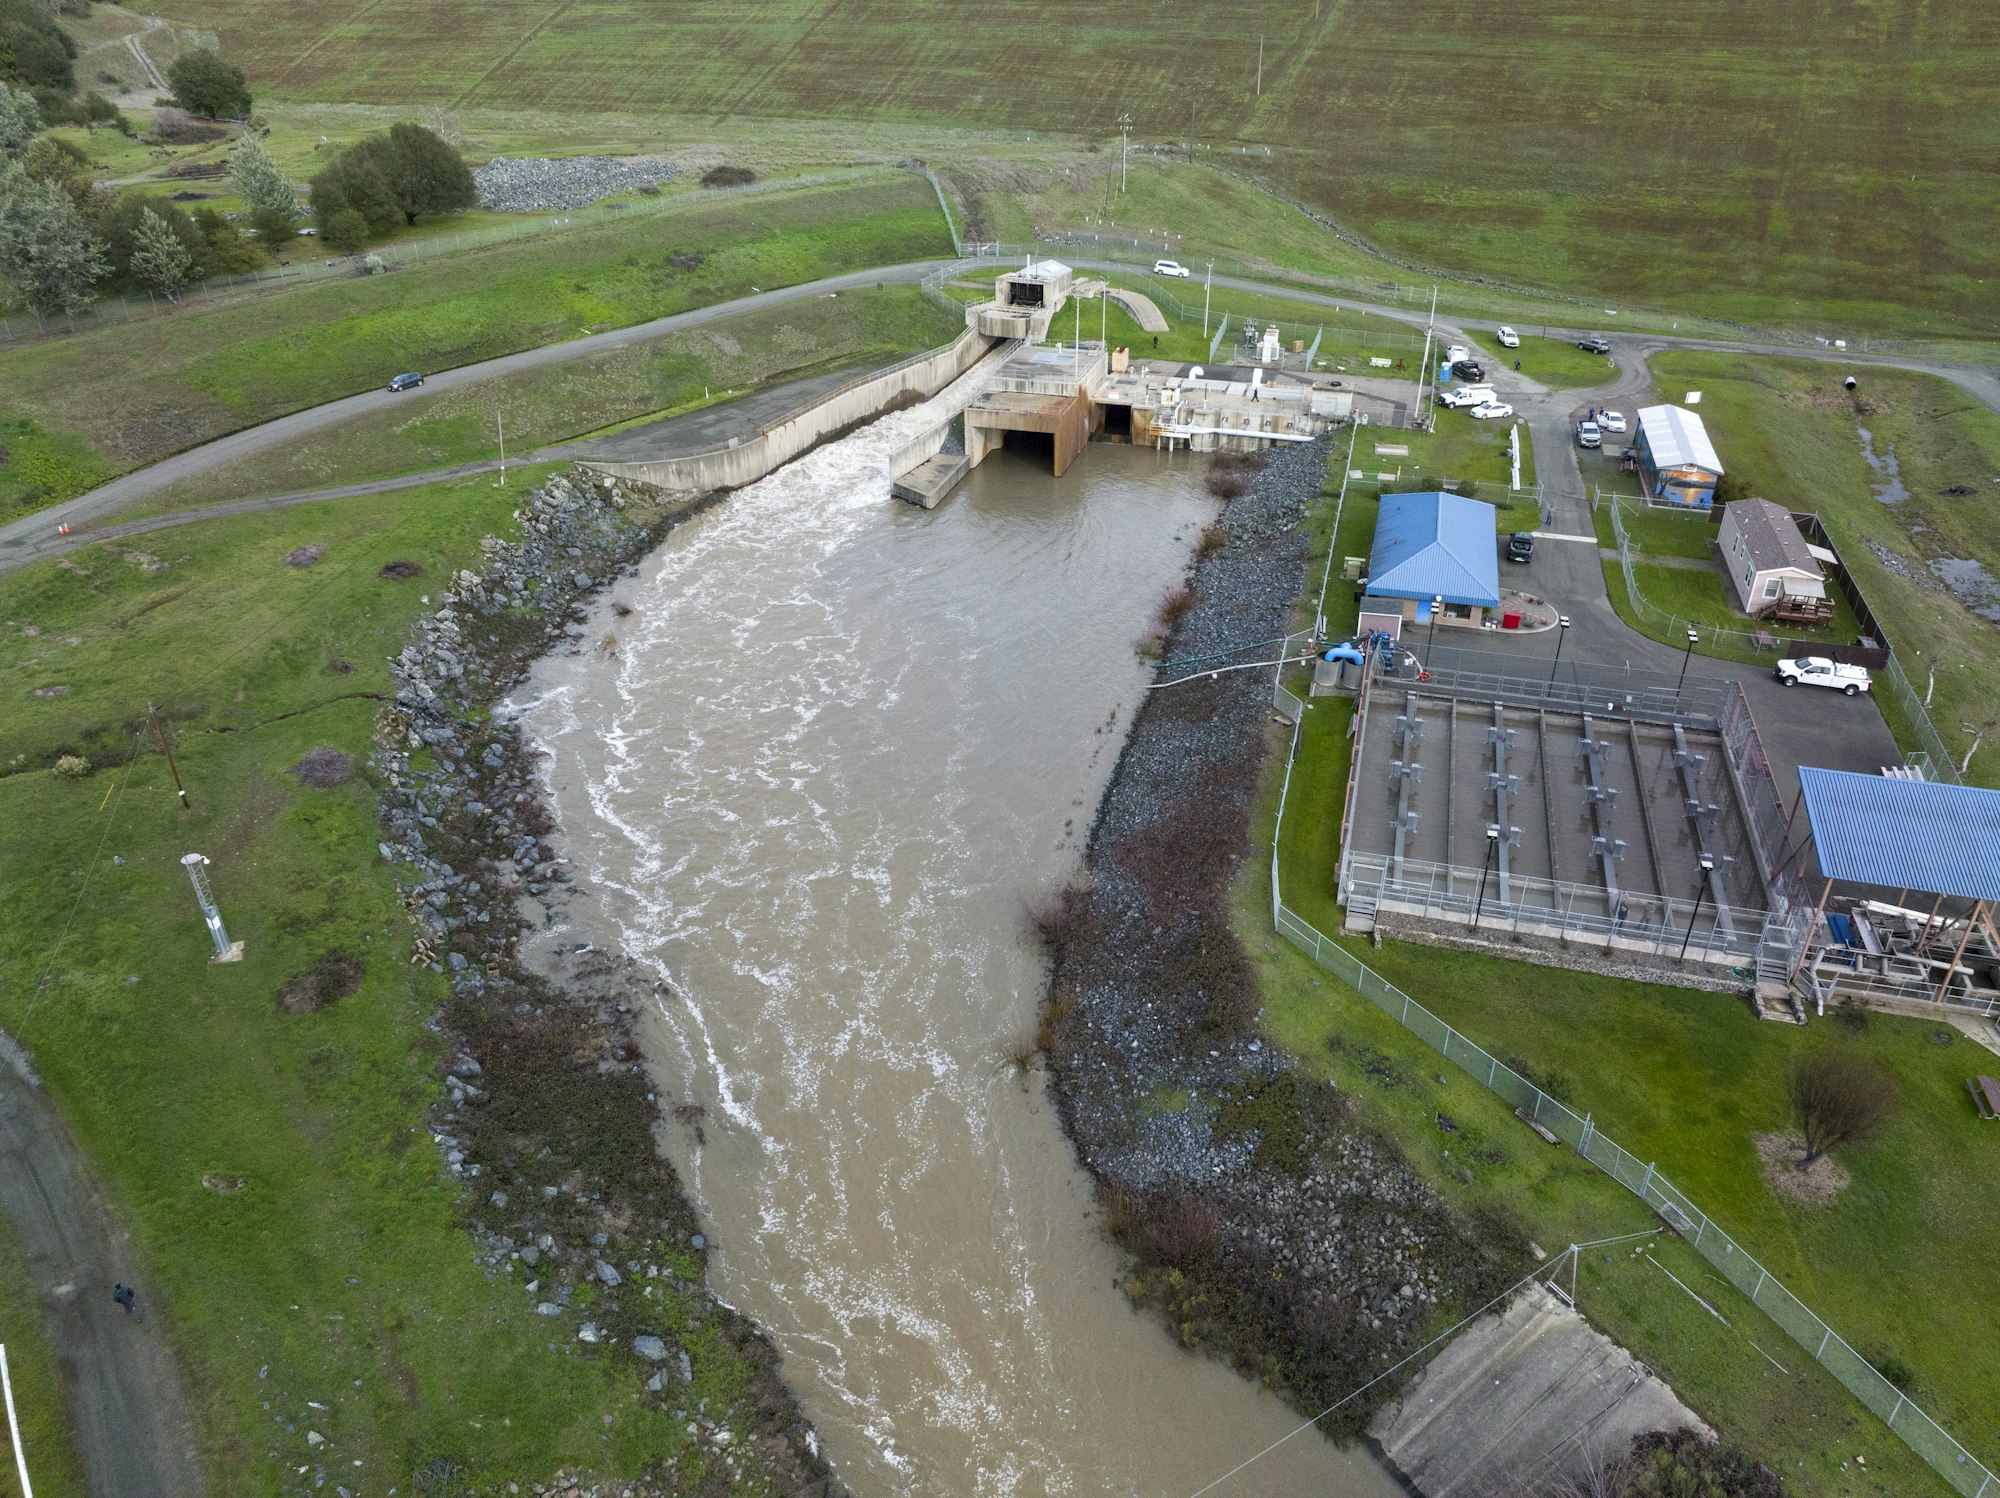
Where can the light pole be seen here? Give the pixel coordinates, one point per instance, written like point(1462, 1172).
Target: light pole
point(1492, 850)
point(1687, 655)
point(1207, 287)
point(1562, 633)
point(1437, 606)
point(1700, 892)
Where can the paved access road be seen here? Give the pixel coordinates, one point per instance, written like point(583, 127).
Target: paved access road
point(34, 537)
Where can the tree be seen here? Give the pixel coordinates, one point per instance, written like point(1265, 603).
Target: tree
point(47, 254)
point(60, 164)
point(1838, 1098)
point(119, 221)
point(349, 189)
point(20, 120)
point(204, 84)
point(426, 175)
point(264, 187)
point(159, 259)
point(34, 50)
point(386, 179)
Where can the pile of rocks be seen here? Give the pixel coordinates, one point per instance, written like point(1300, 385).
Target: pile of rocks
point(542, 184)
point(548, 1115)
point(1312, 1264)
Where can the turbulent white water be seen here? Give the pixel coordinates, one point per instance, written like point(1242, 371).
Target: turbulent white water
point(841, 745)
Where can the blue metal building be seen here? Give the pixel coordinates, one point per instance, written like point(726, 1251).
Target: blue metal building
point(1434, 545)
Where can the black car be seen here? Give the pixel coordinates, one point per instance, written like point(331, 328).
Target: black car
point(408, 381)
point(1469, 370)
point(1593, 345)
point(1520, 546)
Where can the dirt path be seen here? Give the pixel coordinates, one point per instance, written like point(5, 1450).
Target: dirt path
point(145, 61)
point(120, 1384)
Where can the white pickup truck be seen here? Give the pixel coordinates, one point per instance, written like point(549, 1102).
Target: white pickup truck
point(1818, 671)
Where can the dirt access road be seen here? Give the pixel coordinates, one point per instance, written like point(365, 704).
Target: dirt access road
point(120, 1385)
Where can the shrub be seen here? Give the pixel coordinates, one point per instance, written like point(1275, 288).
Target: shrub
point(72, 767)
point(728, 176)
point(229, 252)
point(345, 231)
point(1894, 1369)
point(327, 981)
point(1852, 1015)
point(1288, 1121)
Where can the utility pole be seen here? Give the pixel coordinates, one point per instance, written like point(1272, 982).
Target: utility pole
point(1124, 147)
point(1206, 287)
point(179, 789)
point(501, 417)
point(1260, 64)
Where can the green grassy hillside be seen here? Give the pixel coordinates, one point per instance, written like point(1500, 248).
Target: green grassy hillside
point(1815, 159)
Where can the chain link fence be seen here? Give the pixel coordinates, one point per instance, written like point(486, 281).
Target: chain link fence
point(1946, 1456)
point(1929, 752)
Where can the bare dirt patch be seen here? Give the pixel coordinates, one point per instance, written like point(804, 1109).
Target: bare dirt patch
point(327, 981)
point(305, 556)
point(61, 691)
point(401, 569)
point(323, 768)
point(1779, 1154)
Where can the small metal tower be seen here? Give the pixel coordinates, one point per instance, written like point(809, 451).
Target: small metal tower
point(225, 949)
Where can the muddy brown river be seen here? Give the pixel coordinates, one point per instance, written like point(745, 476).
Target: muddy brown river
point(841, 746)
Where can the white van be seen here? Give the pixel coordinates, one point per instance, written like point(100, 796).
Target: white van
point(1171, 268)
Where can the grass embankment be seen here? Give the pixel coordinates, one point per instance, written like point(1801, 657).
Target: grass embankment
point(287, 1203)
point(1789, 430)
point(140, 391)
point(1834, 211)
point(548, 405)
point(53, 1464)
point(1557, 362)
point(1461, 450)
point(1689, 1079)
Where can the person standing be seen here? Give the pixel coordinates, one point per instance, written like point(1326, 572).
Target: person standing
point(125, 1296)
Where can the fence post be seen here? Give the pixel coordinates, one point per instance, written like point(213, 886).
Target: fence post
point(1820, 1351)
point(1762, 1275)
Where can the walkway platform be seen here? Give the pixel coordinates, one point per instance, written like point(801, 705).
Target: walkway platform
point(931, 480)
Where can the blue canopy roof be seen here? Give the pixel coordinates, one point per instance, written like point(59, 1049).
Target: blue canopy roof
point(1905, 834)
point(1432, 545)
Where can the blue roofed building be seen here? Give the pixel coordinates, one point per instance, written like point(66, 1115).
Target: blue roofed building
point(1434, 546)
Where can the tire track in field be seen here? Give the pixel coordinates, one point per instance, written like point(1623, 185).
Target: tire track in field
point(331, 32)
point(513, 52)
point(785, 55)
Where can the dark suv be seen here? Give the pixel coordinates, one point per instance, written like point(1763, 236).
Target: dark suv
point(1593, 345)
point(1469, 370)
point(1520, 546)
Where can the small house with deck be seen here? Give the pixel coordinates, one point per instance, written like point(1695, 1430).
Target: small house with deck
point(1771, 566)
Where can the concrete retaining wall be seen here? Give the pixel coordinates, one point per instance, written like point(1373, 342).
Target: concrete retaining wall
point(745, 462)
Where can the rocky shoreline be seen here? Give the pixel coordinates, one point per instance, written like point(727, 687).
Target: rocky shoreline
point(549, 1118)
point(1263, 1222)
